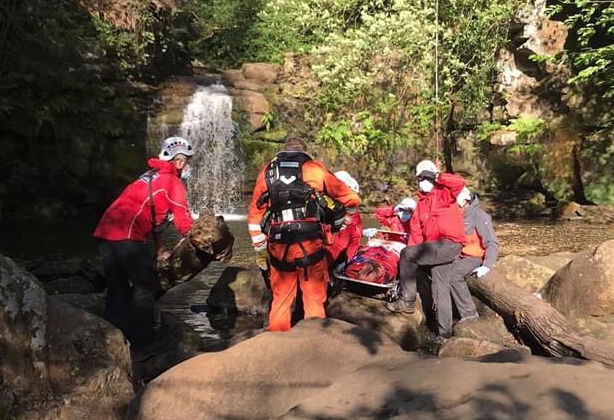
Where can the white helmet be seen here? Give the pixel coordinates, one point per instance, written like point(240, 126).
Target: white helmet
point(347, 180)
point(465, 194)
point(406, 204)
point(426, 165)
point(173, 146)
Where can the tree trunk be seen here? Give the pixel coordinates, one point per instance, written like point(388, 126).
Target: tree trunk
point(448, 139)
point(209, 240)
point(577, 185)
point(537, 324)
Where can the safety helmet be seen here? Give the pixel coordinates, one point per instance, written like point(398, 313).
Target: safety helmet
point(407, 204)
point(174, 146)
point(426, 165)
point(465, 194)
point(347, 180)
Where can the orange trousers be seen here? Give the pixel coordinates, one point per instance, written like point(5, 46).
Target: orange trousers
point(284, 285)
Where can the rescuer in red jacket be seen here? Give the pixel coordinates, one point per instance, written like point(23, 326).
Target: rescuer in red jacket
point(128, 266)
point(436, 231)
point(397, 218)
point(346, 242)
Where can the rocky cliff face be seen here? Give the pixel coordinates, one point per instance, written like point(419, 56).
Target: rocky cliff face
point(560, 162)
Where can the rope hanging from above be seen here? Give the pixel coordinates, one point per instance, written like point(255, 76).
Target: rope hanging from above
point(437, 80)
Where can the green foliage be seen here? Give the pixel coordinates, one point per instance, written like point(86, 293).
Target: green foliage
point(225, 30)
point(485, 130)
point(590, 46)
point(268, 121)
point(375, 63)
point(529, 129)
point(65, 99)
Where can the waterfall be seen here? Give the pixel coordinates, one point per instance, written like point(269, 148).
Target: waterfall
point(217, 170)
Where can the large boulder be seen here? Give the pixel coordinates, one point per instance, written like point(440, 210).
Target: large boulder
point(328, 369)
point(23, 334)
point(57, 361)
point(89, 362)
point(585, 286)
point(241, 290)
point(488, 329)
point(370, 313)
point(523, 272)
point(261, 72)
point(262, 377)
point(468, 347)
point(552, 261)
point(526, 387)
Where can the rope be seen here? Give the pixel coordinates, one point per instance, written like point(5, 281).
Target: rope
point(437, 79)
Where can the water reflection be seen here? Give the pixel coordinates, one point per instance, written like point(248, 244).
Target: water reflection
point(67, 239)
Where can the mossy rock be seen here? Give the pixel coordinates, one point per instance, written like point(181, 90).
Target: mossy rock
point(278, 135)
point(256, 154)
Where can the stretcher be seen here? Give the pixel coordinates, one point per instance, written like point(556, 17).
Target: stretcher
point(392, 242)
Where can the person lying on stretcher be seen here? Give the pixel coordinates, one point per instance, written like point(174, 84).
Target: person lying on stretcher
point(378, 260)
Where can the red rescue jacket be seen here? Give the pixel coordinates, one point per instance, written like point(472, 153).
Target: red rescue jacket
point(437, 216)
point(348, 239)
point(389, 218)
point(129, 217)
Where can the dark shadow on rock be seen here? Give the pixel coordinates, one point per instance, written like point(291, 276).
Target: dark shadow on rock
point(368, 338)
point(573, 406)
point(504, 356)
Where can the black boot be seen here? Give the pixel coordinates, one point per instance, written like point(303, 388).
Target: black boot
point(402, 306)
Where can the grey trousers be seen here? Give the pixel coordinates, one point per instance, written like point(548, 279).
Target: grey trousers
point(426, 254)
point(448, 281)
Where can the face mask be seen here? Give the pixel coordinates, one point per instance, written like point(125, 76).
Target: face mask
point(404, 216)
point(426, 186)
point(186, 173)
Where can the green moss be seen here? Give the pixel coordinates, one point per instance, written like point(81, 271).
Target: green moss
point(256, 154)
point(278, 135)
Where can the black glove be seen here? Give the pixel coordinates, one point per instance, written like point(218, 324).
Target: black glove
point(427, 175)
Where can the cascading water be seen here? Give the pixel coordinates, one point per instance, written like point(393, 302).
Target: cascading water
point(217, 170)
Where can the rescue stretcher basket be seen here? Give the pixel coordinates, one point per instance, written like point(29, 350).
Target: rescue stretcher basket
point(389, 288)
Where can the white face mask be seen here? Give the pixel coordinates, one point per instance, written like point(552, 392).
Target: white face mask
point(186, 172)
point(426, 186)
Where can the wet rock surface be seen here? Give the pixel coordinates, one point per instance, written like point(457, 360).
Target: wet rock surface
point(58, 361)
point(242, 290)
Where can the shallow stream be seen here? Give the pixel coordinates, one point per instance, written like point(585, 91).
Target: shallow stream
point(65, 239)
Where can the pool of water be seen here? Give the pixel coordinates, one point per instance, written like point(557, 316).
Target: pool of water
point(64, 239)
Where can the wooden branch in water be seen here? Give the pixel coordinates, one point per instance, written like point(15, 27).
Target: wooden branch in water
point(536, 323)
point(209, 240)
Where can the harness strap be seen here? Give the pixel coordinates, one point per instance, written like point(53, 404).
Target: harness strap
point(303, 262)
point(293, 232)
point(152, 207)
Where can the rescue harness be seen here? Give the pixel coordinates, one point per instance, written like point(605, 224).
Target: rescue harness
point(296, 212)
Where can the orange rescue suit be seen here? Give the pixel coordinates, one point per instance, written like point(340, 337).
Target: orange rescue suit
point(313, 279)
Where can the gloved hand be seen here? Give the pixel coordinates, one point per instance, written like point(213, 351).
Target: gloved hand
point(347, 220)
point(481, 271)
point(369, 233)
point(262, 259)
point(195, 216)
point(261, 255)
